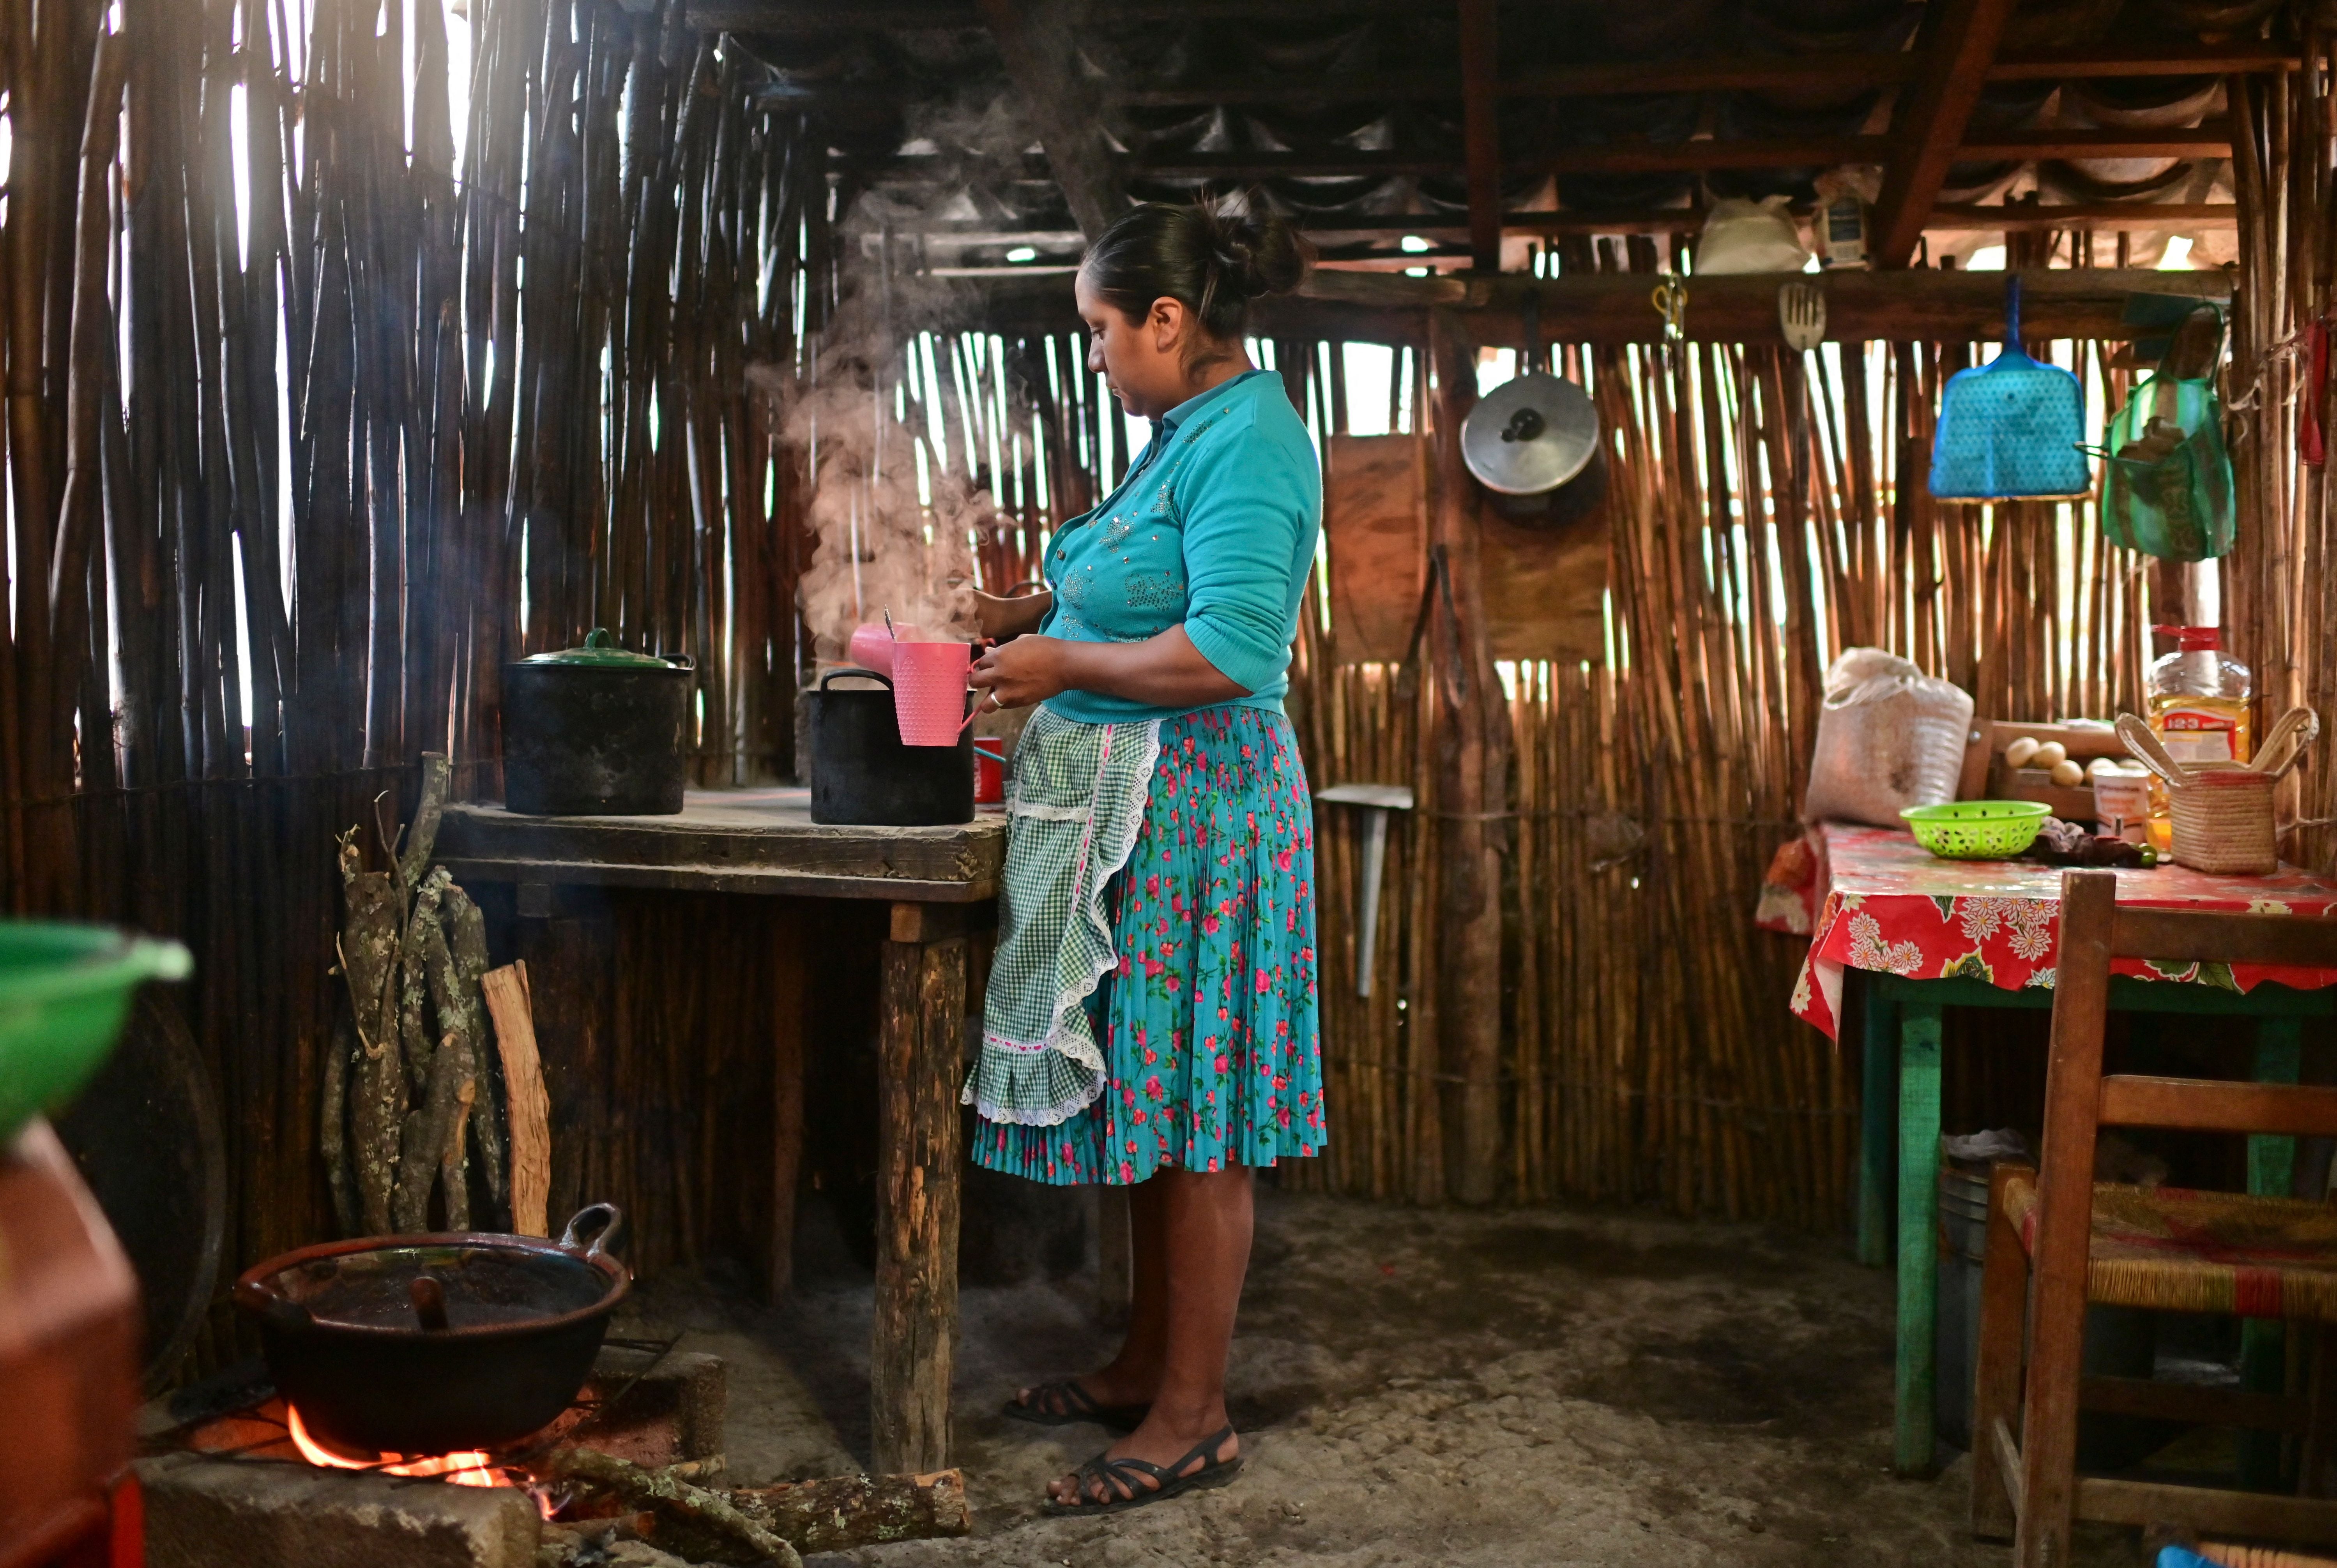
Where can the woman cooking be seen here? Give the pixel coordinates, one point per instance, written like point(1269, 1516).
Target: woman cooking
point(1150, 1021)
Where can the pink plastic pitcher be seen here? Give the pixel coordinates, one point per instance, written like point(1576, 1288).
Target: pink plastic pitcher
point(929, 690)
point(872, 644)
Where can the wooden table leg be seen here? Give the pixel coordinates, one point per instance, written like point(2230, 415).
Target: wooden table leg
point(786, 1092)
point(918, 1071)
point(1919, 1262)
point(2271, 1173)
point(1878, 1126)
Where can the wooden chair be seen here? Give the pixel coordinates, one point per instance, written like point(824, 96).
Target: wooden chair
point(2255, 1257)
point(2237, 1556)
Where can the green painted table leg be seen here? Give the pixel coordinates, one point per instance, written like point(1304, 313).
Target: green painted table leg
point(1877, 1129)
point(1918, 1259)
point(2271, 1173)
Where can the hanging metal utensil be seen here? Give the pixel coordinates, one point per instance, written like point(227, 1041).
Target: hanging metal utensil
point(1533, 442)
point(1376, 800)
point(1802, 313)
point(1670, 300)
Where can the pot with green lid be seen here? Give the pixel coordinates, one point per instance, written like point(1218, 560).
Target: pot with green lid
point(595, 730)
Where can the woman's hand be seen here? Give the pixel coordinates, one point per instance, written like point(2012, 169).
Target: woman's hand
point(1163, 671)
point(1030, 669)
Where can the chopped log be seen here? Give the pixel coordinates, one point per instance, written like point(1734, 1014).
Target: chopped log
point(529, 1107)
point(696, 1523)
point(414, 986)
point(368, 946)
point(422, 1136)
point(839, 1513)
point(332, 1140)
point(466, 939)
point(422, 837)
point(452, 1171)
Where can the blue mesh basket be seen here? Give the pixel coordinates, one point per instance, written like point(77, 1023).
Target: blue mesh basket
point(2011, 429)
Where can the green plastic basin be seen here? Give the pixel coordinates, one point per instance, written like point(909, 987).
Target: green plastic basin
point(65, 991)
point(1977, 829)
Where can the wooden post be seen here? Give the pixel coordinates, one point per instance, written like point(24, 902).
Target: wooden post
point(1959, 41)
point(787, 1024)
point(1472, 790)
point(922, 1024)
point(1480, 134)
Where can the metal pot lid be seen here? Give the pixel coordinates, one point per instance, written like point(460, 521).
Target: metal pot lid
point(600, 652)
point(1529, 436)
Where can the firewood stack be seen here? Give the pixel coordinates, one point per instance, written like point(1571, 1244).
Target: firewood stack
point(408, 1093)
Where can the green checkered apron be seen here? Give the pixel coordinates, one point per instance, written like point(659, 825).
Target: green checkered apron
point(1073, 812)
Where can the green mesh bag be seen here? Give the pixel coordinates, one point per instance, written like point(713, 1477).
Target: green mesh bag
point(2166, 477)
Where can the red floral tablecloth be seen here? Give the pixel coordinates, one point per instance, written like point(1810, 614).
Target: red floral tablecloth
point(1874, 899)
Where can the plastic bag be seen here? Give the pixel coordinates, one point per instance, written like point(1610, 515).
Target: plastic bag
point(1889, 737)
point(2167, 478)
point(1742, 236)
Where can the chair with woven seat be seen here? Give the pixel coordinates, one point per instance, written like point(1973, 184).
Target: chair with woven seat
point(2058, 1241)
point(2235, 1557)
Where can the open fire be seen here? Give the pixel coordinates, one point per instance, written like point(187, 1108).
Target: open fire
point(242, 1480)
point(475, 1468)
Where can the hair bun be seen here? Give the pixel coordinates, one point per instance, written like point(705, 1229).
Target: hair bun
point(1214, 259)
point(1255, 249)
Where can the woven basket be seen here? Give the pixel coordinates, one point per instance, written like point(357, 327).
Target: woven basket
point(2223, 812)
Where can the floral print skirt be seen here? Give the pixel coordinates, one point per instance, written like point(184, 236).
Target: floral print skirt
point(1211, 1053)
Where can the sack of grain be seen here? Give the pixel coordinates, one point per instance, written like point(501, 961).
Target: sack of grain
point(1890, 738)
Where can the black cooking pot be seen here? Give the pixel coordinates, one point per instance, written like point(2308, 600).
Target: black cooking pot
point(595, 731)
point(436, 1344)
point(861, 774)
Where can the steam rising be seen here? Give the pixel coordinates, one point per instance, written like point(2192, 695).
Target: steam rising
point(892, 534)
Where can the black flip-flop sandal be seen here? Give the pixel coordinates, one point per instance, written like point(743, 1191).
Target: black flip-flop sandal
point(1075, 1406)
point(1116, 1476)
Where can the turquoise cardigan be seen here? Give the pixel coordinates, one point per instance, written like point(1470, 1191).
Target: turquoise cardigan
point(1215, 526)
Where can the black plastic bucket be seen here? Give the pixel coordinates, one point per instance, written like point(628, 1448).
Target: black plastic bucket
point(2119, 1341)
point(861, 774)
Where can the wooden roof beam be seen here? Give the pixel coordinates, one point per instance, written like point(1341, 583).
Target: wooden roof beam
point(1612, 308)
point(1960, 39)
point(1034, 39)
point(1719, 73)
point(1481, 136)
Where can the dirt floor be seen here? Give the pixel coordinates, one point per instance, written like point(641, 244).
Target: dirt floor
point(1526, 1387)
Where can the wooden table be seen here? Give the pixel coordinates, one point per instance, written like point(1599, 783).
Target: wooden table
point(1925, 934)
point(764, 842)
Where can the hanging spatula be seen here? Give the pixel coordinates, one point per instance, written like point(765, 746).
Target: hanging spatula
point(1801, 313)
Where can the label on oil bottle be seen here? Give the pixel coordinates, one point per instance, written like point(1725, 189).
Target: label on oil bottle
point(2201, 734)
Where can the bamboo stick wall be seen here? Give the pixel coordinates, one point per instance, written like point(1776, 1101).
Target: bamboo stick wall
point(311, 427)
point(1765, 511)
point(291, 478)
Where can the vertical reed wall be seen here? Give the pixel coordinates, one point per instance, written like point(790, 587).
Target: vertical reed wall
point(290, 478)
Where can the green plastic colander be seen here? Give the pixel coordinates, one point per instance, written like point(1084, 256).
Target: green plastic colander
point(1977, 829)
point(65, 991)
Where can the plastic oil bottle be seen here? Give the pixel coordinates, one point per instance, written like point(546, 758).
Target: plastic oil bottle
point(2199, 708)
